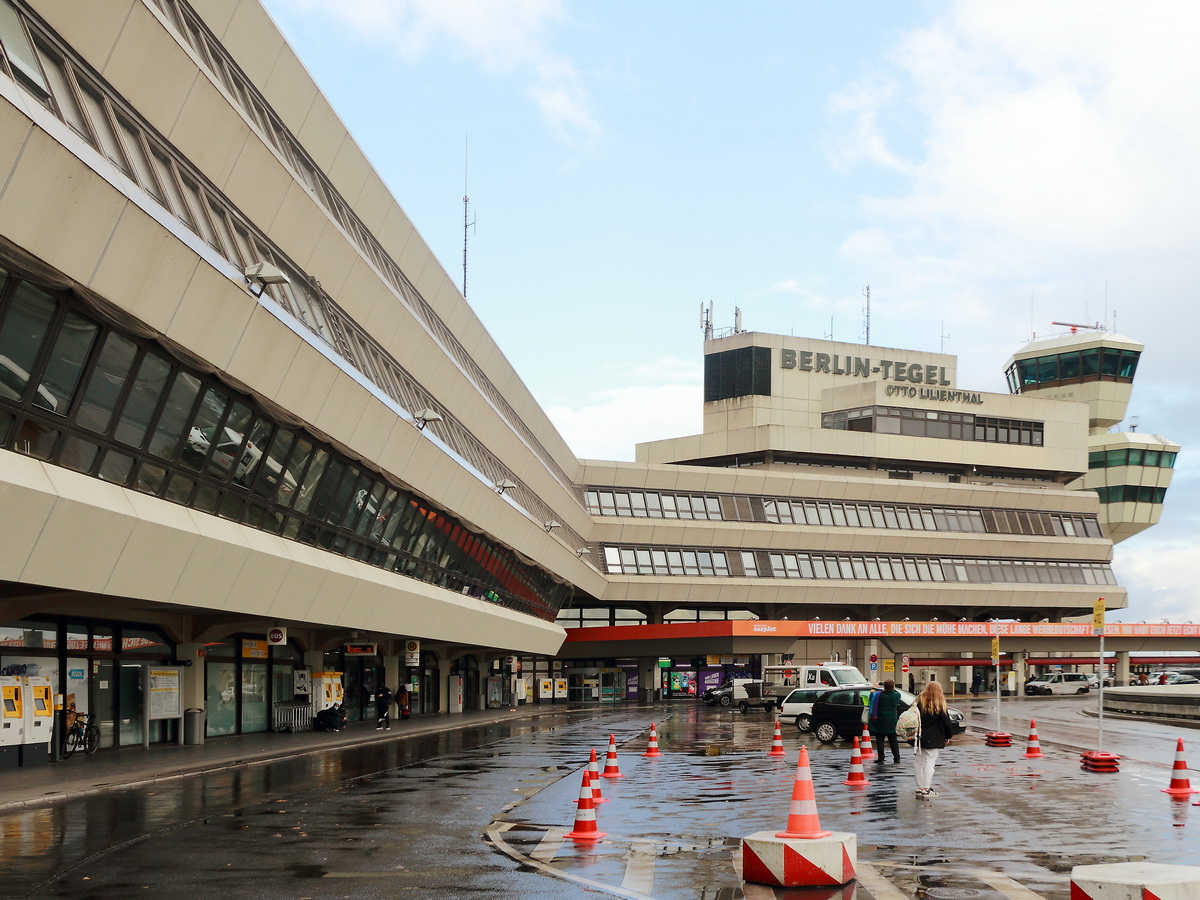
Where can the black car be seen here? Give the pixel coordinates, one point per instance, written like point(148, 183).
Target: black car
point(840, 714)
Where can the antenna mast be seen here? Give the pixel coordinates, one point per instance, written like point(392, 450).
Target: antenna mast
point(467, 225)
point(867, 313)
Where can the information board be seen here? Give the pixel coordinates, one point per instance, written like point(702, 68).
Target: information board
point(166, 700)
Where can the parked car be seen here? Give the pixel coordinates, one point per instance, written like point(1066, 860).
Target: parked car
point(1173, 678)
point(729, 692)
point(1058, 683)
point(841, 713)
point(797, 706)
point(1094, 681)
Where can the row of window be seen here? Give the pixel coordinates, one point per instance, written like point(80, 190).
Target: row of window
point(1131, 456)
point(1131, 493)
point(647, 561)
point(44, 66)
point(78, 393)
point(918, 568)
point(246, 96)
point(765, 564)
point(928, 423)
point(824, 513)
point(1093, 364)
point(653, 505)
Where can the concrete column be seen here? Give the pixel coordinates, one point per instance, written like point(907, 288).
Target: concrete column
point(1021, 669)
point(391, 671)
point(1121, 675)
point(191, 656)
point(648, 678)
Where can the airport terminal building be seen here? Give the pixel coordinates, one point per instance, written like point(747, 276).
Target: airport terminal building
point(250, 430)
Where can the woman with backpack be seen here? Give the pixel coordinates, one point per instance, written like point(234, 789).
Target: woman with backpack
point(886, 706)
point(936, 731)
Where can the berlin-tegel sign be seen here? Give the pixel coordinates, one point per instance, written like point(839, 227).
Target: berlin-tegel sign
point(960, 629)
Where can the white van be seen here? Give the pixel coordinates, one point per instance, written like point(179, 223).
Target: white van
point(828, 674)
point(1058, 683)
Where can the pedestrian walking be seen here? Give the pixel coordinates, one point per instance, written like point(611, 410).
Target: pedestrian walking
point(935, 734)
point(383, 708)
point(886, 707)
point(402, 702)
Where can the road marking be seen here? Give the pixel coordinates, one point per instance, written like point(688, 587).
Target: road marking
point(880, 887)
point(495, 833)
point(1006, 885)
point(639, 871)
point(549, 846)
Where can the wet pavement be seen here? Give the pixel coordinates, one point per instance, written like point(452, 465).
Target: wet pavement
point(481, 809)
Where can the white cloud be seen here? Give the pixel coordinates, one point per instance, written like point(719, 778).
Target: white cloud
point(662, 398)
point(504, 37)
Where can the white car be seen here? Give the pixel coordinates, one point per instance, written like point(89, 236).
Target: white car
point(797, 706)
point(1059, 683)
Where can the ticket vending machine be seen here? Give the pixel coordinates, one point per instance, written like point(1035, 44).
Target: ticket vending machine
point(12, 720)
point(39, 721)
point(326, 690)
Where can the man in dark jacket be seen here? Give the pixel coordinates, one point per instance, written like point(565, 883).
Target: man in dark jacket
point(885, 710)
point(383, 708)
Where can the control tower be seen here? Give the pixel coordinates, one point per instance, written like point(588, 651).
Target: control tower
point(1130, 471)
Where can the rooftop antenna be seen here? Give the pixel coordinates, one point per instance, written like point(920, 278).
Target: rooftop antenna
point(737, 320)
point(468, 222)
point(945, 334)
point(706, 323)
point(1106, 301)
point(829, 337)
point(1133, 423)
point(867, 313)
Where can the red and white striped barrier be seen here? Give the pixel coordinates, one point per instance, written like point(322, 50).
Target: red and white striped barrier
point(803, 855)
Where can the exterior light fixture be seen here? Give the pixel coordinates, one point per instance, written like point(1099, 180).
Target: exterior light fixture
point(423, 417)
point(505, 485)
point(582, 552)
point(551, 525)
point(261, 274)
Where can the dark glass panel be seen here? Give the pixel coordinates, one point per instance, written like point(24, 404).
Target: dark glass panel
point(35, 439)
point(76, 336)
point(104, 386)
point(205, 434)
point(139, 408)
point(78, 454)
point(116, 467)
point(1090, 362)
point(21, 337)
point(1068, 365)
point(176, 413)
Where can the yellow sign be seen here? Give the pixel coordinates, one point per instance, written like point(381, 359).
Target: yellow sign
point(1098, 616)
point(254, 649)
point(995, 650)
point(889, 665)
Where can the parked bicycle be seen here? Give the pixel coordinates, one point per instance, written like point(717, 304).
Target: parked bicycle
point(81, 734)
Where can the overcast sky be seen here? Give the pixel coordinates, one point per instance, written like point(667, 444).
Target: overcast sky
point(985, 167)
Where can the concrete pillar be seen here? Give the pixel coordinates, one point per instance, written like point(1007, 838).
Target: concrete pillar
point(191, 656)
point(391, 671)
point(1121, 676)
point(1021, 669)
point(648, 678)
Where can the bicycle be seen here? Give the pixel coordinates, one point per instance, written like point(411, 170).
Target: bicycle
point(81, 734)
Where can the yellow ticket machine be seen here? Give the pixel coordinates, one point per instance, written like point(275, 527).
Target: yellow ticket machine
point(39, 721)
point(327, 690)
point(12, 720)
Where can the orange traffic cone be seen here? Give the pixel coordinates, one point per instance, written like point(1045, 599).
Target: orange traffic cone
point(868, 752)
point(594, 778)
point(611, 770)
point(1033, 750)
point(777, 742)
point(857, 777)
point(1180, 786)
point(652, 747)
point(802, 817)
point(585, 815)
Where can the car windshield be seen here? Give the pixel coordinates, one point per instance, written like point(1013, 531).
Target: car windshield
point(848, 675)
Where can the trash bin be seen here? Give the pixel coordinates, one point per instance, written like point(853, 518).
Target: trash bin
point(193, 726)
